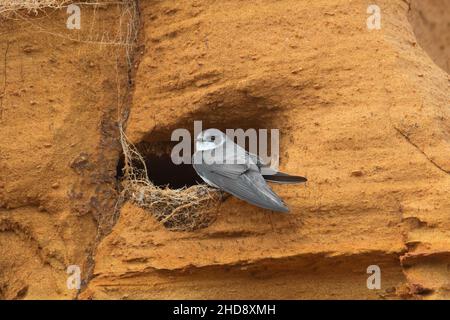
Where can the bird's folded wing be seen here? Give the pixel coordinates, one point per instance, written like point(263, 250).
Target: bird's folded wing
point(247, 185)
point(232, 171)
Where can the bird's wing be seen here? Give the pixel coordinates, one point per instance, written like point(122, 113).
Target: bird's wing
point(241, 153)
point(243, 181)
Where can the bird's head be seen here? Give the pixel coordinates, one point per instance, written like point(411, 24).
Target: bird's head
point(210, 139)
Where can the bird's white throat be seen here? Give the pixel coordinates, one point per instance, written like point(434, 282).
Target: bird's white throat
point(205, 145)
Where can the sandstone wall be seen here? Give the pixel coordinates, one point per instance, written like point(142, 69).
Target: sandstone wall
point(58, 147)
point(364, 114)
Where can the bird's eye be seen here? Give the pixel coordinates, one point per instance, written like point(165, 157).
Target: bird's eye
point(213, 138)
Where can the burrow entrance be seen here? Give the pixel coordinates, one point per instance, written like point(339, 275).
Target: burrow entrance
point(174, 194)
point(161, 170)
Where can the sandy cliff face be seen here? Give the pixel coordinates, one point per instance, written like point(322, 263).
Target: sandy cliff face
point(59, 146)
point(364, 114)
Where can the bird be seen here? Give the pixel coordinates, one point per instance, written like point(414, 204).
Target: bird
point(225, 165)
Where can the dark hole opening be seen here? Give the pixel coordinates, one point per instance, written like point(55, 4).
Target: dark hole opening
point(161, 170)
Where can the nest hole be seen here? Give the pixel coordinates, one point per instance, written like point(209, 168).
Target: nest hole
point(161, 171)
point(174, 194)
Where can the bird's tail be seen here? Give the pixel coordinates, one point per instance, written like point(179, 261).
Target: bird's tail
point(284, 178)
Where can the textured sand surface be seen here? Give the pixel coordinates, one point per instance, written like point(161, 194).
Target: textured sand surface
point(364, 114)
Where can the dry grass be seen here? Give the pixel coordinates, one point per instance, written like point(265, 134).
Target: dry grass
point(31, 6)
point(127, 26)
point(184, 209)
point(34, 6)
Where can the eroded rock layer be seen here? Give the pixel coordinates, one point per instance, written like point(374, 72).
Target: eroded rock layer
point(58, 148)
point(364, 114)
